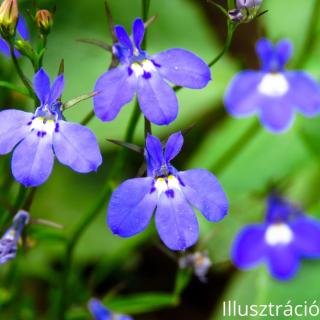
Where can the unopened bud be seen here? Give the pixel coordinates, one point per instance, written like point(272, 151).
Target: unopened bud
point(236, 15)
point(44, 21)
point(248, 4)
point(245, 11)
point(9, 15)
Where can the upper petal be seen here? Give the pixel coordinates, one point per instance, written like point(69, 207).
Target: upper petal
point(22, 28)
point(123, 37)
point(176, 221)
point(306, 237)
point(173, 146)
point(283, 261)
point(154, 153)
point(264, 48)
point(183, 68)
point(114, 88)
point(32, 160)
point(242, 97)
point(77, 147)
point(56, 89)
point(41, 84)
point(13, 128)
point(203, 190)
point(283, 50)
point(249, 248)
point(4, 48)
point(138, 32)
point(302, 85)
point(131, 207)
point(157, 100)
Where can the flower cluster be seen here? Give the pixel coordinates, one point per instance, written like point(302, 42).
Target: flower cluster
point(171, 193)
point(286, 236)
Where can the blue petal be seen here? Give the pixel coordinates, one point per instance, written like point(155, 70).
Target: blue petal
point(264, 49)
point(203, 190)
point(13, 128)
point(138, 32)
point(283, 261)
point(56, 89)
point(281, 210)
point(157, 99)
point(131, 207)
point(123, 37)
point(249, 248)
point(98, 310)
point(173, 146)
point(242, 97)
point(4, 48)
point(77, 147)
point(41, 84)
point(302, 85)
point(114, 88)
point(154, 153)
point(32, 160)
point(183, 68)
point(176, 221)
point(22, 28)
point(306, 237)
point(283, 51)
point(277, 114)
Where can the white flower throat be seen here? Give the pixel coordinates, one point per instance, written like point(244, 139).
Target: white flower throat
point(140, 68)
point(167, 183)
point(278, 233)
point(273, 85)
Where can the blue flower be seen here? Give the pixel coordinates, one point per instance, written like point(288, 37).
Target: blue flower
point(100, 312)
point(39, 136)
point(145, 75)
point(171, 193)
point(9, 241)
point(286, 236)
point(22, 31)
point(273, 93)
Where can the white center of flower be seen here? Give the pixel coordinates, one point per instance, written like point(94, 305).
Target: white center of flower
point(165, 184)
point(274, 85)
point(140, 68)
point(278, 234)
point(40, 124)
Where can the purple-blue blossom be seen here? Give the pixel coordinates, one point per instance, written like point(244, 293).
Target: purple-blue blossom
point(147, 75)
point(9, 241)
point(100, 312)
point(272, 93)
point(171, 193)
point(286, 236)
point(37, 137)
point(22, 31)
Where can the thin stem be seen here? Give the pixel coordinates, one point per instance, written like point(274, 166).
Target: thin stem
point(21, 75)
point(29, 200)
point(147, 127)
point(73, 240)
point(87, 118)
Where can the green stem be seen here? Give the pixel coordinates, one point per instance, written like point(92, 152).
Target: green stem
point(87, 118)
point(21, 75)
point(71, 244)
point(147, 127)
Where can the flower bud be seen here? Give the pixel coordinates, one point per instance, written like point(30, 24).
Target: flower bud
point(236, 15)
point(9, 15)
point(44, 21)
point(248, 4)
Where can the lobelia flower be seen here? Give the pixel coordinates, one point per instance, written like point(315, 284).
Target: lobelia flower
point(273, 93)
point(100, 312)
point(286, 236)
point(9, 241)
point(172, 193)
point(146, 75)
point(245, 10)
point(22, 31)
point(39, 136)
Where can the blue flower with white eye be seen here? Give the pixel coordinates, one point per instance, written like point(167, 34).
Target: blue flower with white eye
point(172, 193)
point(22, 31)
point(145, 75)
point(286, 236)
point(38, 137)
point(9, 241)
point(100, 312)
point(273, 93)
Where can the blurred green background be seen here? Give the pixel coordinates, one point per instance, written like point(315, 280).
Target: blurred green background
point(111, 268)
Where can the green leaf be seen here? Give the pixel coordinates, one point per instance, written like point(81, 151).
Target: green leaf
point(140, 303)
point(182, 280)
